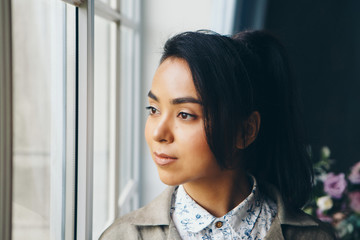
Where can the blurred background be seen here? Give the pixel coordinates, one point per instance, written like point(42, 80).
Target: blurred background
point(322, 41)
point(48, 38)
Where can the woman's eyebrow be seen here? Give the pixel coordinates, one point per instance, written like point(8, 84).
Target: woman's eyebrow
point(185, 100)
point(152, 96)
point(176, 100)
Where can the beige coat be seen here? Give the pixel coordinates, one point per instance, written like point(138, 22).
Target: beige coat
point(153, 222)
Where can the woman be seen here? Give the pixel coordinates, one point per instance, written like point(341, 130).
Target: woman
point(223, 132)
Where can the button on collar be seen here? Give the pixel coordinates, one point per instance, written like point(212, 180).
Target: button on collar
point(218, 224)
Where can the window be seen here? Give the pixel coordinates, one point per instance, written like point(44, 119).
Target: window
point(116, 90)
point(75, 116)
point(39, 112)
point(104, 124)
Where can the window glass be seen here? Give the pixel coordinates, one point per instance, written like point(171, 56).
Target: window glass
point(110, 3)
point(39, 73)
point(127, 8)
point(127, 78)
point(104, 124)
point(128, 157)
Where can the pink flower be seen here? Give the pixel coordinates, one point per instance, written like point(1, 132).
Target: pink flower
point(355, 201)
point(334, 185)
point(354, 176)
point(322, 216)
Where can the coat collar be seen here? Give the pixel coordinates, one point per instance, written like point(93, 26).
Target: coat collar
point(285, 216)
point(288, 216)
point(157, 213)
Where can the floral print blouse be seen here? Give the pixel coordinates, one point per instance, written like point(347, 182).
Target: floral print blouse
point(251, 219)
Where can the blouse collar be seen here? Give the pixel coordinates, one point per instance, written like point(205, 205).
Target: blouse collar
point(191, 217)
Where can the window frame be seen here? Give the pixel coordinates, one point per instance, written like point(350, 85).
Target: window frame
point(128, 197)
point(5, 120)
point(85, 120)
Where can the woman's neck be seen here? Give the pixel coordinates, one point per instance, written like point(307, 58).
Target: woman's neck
point(221, 193)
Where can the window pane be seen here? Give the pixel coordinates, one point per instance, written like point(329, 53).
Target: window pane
point(127, 58)
point(44, 118)
point(39, 83)
point(104, 124)
point(111, 3)
point(127, 158)
point(127, 8)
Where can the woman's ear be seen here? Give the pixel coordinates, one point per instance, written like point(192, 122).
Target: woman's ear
point(249, 131)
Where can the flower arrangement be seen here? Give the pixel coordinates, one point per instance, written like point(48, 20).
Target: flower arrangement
point(336, 197)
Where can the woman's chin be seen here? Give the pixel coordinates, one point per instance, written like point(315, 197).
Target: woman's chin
point(169, 179)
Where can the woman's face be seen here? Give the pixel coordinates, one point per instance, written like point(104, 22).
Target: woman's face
point(174, 129)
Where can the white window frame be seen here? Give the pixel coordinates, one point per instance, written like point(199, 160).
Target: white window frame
point(126, 199)
point(85, 120)
point(5, 120)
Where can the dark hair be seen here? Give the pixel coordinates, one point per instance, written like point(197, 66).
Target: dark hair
point(235, 76)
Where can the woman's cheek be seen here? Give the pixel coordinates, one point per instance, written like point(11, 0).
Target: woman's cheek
point(196, 140)
point(148, 132)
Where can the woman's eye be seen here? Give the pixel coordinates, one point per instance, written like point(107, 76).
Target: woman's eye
point(151, 110)
point(186, 116)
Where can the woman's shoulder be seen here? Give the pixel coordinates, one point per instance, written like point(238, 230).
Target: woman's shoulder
point(319, 230)
point(120, 229)
point(147, 218)
point(294, 223)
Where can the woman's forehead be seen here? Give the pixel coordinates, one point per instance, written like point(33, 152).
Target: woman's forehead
point(173, 77)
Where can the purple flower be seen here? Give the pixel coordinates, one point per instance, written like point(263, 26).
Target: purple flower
point(355, 201)
point(354, 176)
point(334, 185)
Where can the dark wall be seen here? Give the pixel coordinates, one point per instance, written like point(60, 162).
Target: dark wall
point(323, 41)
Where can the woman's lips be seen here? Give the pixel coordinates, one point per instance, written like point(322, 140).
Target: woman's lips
point(163, 159)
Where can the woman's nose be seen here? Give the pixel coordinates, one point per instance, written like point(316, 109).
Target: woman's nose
point(163, 131)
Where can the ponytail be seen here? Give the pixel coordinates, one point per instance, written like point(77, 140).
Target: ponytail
point(279, 154)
